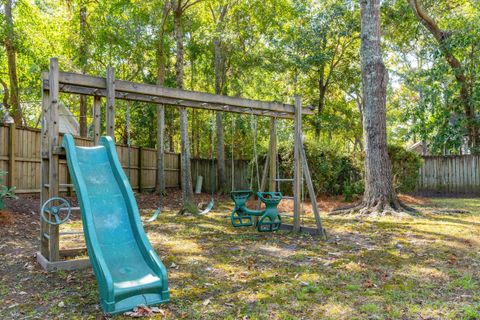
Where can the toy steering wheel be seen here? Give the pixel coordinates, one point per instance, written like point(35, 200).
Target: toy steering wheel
point(52, 214)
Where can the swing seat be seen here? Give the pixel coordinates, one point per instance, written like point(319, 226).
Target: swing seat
point(271, 219)
point(242, 216)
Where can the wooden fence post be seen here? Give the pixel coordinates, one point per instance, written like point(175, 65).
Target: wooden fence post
point(11, 155)
point(180, 170)
point(140, 169)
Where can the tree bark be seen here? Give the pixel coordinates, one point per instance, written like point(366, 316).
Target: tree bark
point(379, 197)
point(15, 109)
point(6, 94)
point(161, 60)
point(83, 64)
point(220, 75)
point(465, 88)
point(187, 190)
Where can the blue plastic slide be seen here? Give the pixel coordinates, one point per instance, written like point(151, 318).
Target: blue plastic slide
point(128, 271)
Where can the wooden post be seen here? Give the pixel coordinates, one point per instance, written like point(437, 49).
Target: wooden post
point(53, 175)
point(11, 155)
point(96, 119)
point(44, 166)
point(273, 154)
point(297, 165)
point(179, 170)
point(311, 191)
point(140, 169)
point(111, 102)
point(160, 185)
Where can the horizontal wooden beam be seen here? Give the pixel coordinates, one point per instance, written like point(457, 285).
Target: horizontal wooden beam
point(175, 96)
point(168, 101)
point(67, 265)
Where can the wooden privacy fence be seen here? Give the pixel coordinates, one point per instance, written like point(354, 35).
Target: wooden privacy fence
point(450, 175)
point(20, 157)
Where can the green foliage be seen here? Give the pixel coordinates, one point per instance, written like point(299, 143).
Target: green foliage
point(5, 192)
point(338, 173)
point(333, 173)
point(282, 48)
point(405, 168)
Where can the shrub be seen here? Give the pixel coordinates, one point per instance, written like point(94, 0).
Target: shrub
point(332, 173)
point(405, 168)
point(5, 192)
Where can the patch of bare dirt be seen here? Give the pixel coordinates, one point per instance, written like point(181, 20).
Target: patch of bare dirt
point(6, 218)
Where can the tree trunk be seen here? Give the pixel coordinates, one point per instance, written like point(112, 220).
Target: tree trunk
point(15, 109)
point(379, 197)
point(187, 190)
point(83, 64)
point(222, 179)
point(160, 182)
point(219, 76)
point(465, 91)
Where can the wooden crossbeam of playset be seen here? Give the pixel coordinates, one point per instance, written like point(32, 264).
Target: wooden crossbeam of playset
point(127, 90)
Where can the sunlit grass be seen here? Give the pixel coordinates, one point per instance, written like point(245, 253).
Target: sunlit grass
point(388, 268)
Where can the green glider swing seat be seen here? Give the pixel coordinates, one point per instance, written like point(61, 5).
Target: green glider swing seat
point(242, 216)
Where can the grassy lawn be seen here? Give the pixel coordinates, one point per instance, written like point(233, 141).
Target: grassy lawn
point(426, 267)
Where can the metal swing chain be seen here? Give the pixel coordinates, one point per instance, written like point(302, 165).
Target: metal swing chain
point(233, 162)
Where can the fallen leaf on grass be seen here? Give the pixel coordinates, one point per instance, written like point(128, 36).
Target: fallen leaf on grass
point(206, 302)
point(143, 311)
point(369, 284)
point(452, 259)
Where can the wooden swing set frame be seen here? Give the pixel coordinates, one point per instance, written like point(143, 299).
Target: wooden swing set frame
point(50, 257)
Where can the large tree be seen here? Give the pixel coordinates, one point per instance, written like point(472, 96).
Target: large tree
point(161, 60)
point(379, 197)
point(218, 16)
point(9, 42)
point(179, 8)
point(83, 61)
point(444, 41)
